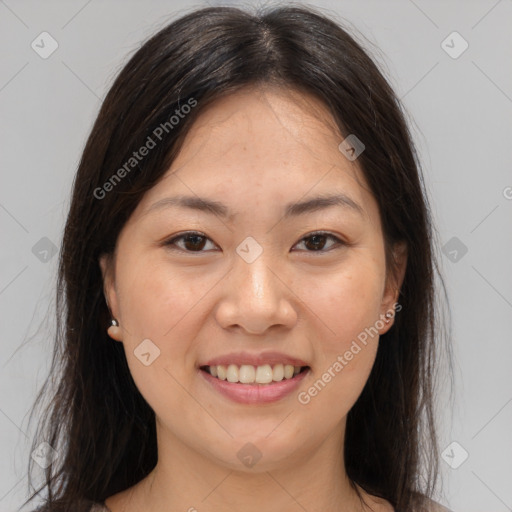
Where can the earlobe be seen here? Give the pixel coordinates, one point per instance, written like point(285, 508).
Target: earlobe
point(387, 319)
point(114, 331)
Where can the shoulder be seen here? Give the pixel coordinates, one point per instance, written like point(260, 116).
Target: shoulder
point(99, 507)
point(434, 506)
point(427, 505)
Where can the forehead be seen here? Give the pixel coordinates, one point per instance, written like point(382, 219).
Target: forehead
point(277, 126)
point(261, 146)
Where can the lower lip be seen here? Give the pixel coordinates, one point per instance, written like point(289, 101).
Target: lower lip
point(255, 393)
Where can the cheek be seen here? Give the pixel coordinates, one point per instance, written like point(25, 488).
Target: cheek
point(347, 303)
point(155, 297)
point(346, 339)
point(169, 320)
point(163, 307)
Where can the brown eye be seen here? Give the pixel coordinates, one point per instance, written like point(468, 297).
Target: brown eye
point(316, 242)
point(189, 242)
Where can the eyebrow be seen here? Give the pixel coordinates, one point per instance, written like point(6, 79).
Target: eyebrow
point(205, 205)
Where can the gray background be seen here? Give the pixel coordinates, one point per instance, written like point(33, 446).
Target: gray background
point(460, 110)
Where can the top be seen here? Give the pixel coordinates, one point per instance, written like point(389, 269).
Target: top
point(99, 507)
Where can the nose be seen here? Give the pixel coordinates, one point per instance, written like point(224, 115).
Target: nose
point(256, 299)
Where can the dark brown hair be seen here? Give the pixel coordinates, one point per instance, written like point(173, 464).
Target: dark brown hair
point(102, 428)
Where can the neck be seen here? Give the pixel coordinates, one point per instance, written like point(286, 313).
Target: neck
point(187, 480)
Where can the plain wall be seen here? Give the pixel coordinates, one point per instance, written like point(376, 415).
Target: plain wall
point(460, 110)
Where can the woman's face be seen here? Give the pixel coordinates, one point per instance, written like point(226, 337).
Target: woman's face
point(247, 282)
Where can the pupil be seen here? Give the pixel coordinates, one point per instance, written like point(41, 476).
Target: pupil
point(316, 237)
point(194, 239)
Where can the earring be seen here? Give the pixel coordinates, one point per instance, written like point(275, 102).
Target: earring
point(389, 316)
point(113, 330)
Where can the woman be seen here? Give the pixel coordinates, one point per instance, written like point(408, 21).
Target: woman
point(247, 273)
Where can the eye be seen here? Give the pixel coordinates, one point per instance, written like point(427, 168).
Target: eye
point(317, 241)
point(193, 241)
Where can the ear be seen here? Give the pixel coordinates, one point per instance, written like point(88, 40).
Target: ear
point(109, 290)
point(393, 284)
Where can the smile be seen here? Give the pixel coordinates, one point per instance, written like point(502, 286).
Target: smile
point(275, 382)
point(250, 374)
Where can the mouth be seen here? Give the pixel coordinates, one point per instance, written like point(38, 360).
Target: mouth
point(254, 385)
point(250, 374)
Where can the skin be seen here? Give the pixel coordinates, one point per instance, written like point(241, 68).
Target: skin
point(255, 151)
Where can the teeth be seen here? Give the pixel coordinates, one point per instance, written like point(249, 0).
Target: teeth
point(278, 373)
point(249, 374)
point(221, 372)
point(288, 371)
point(232, 373)
point(263, 374)
point(246, 373)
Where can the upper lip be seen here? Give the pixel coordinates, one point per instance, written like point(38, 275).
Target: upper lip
point(240, 358)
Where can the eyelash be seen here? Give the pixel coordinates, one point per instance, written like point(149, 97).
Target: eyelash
point(338, 241)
